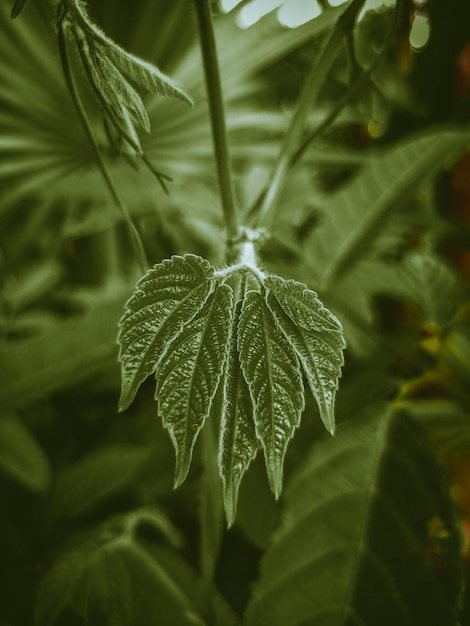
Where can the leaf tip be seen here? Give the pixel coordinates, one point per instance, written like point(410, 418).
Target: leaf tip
point(17, 8)
point(230, 503)
point(275, 479)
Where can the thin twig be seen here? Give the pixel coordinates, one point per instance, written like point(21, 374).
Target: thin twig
point(307, 100)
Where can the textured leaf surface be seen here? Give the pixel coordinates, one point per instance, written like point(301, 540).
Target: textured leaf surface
point(316, 336)
point(359, 541)
point(355, 214)
point(271, 369)
point(165, 299)
point(188, 376)
point(238, 442)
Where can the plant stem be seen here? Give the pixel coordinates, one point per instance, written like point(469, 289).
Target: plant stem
point(217, 115)
point(211, 512)
point(64, 57)
point(307, 100)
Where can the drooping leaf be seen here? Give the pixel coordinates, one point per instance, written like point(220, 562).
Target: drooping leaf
point(165, 299)
point(238, 443)
point(316, 336)
point(428, 282)
point(141, 72)
point(112, 88)
point(58, 586)
point(356, 214)
point(272, 371)
point(21, 457)
point(188, 375)
point(369, 535)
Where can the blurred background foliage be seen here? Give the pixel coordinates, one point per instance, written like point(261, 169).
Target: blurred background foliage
point(375, 217)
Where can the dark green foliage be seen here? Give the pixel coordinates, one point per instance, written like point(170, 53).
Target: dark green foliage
point(350, 171)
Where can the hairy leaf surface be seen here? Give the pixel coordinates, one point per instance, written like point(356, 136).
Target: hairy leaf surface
point(271, 369)
point(188, 376)
point(238, 442)
point(358, 544)
point(316, 336)
point(165, 299)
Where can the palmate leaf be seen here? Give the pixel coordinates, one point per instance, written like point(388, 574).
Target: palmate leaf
point(316, 336)
point(272, 371)
point(165, 299)
point(369, 535)
point(182, 325)
point(188, 376)
point(238, 441)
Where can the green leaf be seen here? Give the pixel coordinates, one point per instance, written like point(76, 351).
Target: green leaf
point(356, 214)
point(58, 586)
point(143, 73)
point(369, 535)
point(238, 443)
point(98, 476)
point(189, 373)
point(271, 369)
point(18, 8)
point(21, 457)
point(165, 299)
point(111, 87)
point(110, 600)
point(428, 282)
point(316, 336)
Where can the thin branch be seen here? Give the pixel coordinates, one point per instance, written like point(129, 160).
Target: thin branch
point(65, 61)
point(307, 100)
point(217, 115)
point(363, 79)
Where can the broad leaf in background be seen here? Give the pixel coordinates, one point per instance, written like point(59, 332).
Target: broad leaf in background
point(431, 285)
point(369, 535)
point(354, 216)
point(97, 477)
point(21, 457)
point(58, 586)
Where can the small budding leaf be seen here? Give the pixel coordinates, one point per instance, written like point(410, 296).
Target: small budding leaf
point(188, 376)
point(165, 299)
point(316, 336)
point(109, 68)
point(271, 369)
point(238, 441)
